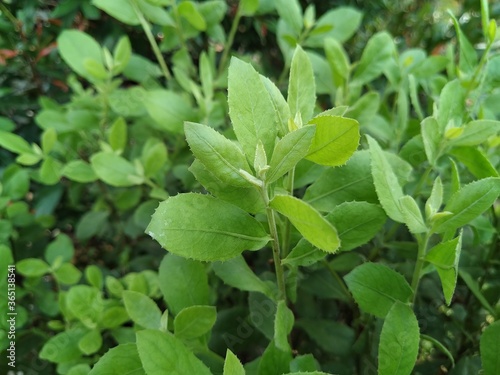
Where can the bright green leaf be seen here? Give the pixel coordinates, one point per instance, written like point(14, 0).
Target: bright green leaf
point(301, 87)
point(115, 170)
point(412, 215)
point(190, 12)
point(142, 309)
point(118, 134)
point(490, 349)
point(283, 324)
point(79, 171)
point(32, 267)
point(194, 321)
point(232, 365)
point(122, 359)
point(75, 47)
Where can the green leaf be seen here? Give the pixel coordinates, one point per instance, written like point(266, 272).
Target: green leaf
point(289, 150)
point(248, 198)
point(122, 359)
point(335, 140)
point(219, 155)
point(32, 267)
point(154, 157)
point(376, 287)
point(377, 54)
point(476, 290)
point(309, 222)
point(468, 203)
point(236, 273)
point(283, 324)
point(93, 275)
point(63, 347)
point(50, 171)
point(61, 247)
point(451, 105)
point(142, 309)
point(122, 10)
point(274, 361)
point(291, 12)
point(356, 223)
point(187, 224)
point(490, 349)
point(232, 365)
point(79, 171)
point(91, 342)
point(445, 257)
point(476, 161)
point(162, 353)
point(75, 47)
point(118, 134)
point(386, 183)
point(476, 132)
point(122, 54)
point(435, 200)
point(345, 22)
point(251, 109)
point(468, 57)
point(95, 70)
point(183, 283)
point(301, 87)
point(337, 60)
point(86, 304)
point(303, 254)
point(350, 182)
point(49, 139)
point(155, 14)
point(189, 11)
point(194, 321)
point(14, 143)
point(67, 274)
point(412, 215)
point(332, 337)
point(206, 76)
point(169, 110)
point(431, 138)
point(280, 106)
point(248, 7)
point(115, 170)
point(399, 341)
point(91, 224)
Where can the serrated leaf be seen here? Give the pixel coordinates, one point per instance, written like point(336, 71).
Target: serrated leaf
point(335, 140)
point(232, 365)
point(376, 288)
point(412, 215)
point(250, 108)
point(386, 183)
point(219, 155)
point(162, 353)
point(204, 228)
point(490, 349)
point(142, 309)
point(399, 341)
point(301, 87)
point(289, 150)
point(445, 257)
point(309, 222)
point(468, 203)
point(194, 321)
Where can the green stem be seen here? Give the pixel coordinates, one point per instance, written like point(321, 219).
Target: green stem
point(229, 41)
point(156, 49)
point(417, 272)
point(280, 275)
point(285, 247)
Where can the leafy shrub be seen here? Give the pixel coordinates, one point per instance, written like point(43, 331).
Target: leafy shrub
point(358, 195)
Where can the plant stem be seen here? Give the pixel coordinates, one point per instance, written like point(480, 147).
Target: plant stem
point(422, 247)
point(280, 275)
point(156, 49)
point(229, 41)
point(285, 246)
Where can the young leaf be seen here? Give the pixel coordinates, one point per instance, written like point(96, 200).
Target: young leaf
point(490, 349)
point(412, 215)
point(219, 155)
point(142, 309)
point(274, 361)
point(476, 132)
point(119, 360)
point(338, 60)
point(32, 267)
point(451, 105)
point(118, 134)
point(468, 203)
point(162, 353)
point(309, 222)
point(301, 87)
point(49, 139)
point(183, 283)
point(335, 140)
point(248, 7)
point(289, 150)
point(75, 46)
point(91, 342)
point(122, 54)
point(445, 257)
point(204, 228)
point(115, 170)
point(280, 105)
point(304, 254)
point(291, 12)
point(356, 223)
point(386, 183)
point(468, 57)
point(194, 321)
point(345, 22)
point(250, 108)
point(435, 200)
point(14, 143)
point(399, 341)
point(429, 129)
point(376, 287)
point(86, 304)
point(236, 273)
point(232, 365)
point(190, 12)
point(377, 54)
point(283, 324)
